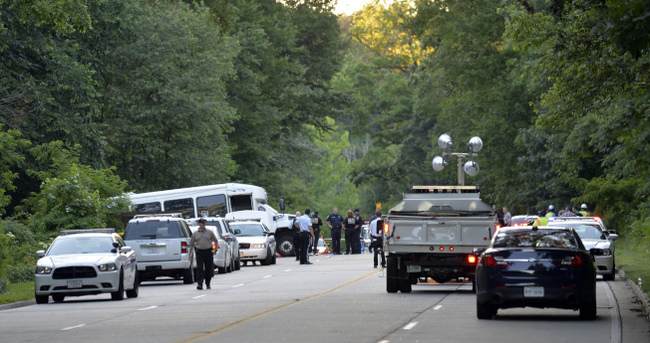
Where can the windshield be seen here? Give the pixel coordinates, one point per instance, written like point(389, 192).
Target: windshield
point(81, 245)
point(535, 239)
point(249, 230)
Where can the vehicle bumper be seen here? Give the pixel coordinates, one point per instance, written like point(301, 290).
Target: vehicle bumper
point(104, 282)
point(162, 265)
point(555, 297)
point(253, 254)
point(604, 264)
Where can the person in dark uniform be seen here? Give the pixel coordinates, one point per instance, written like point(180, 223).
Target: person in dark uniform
point(296, 236)
point(377, 233)
point(357, 232)
point(335, 222)
point(201, 243)
point(350, 224)
point(316, 223)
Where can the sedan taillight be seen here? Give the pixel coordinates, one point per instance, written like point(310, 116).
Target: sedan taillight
point(495, 261)
point(572, 260)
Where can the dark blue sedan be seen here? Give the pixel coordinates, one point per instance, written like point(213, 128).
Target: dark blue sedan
point(536, 267)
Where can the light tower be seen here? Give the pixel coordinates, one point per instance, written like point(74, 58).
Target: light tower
point(470, 167)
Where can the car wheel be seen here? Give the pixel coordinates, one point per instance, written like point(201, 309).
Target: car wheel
point(42, 299)
point(588, 311)
point(133, 293)
point(273, 260)
point(188, 276)
point(285, 246)
point(58, 298)
point(391, 275)
point(231, 266)
point(404, 279)
point(609, 277)
point(238, 264)
point(268, 259)
point(485, 311)
point(119, 294)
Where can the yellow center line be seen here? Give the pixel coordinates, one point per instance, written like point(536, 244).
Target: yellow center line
point(237, 322)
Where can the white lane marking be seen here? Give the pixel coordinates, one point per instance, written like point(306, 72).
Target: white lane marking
point(73, 327)
point(147, 308)
point(384, 341)
point(235, 286)
point(615, 336)
point(410, 325)
point(198, 296)
point(437, 307)
point(268, 276)
point(288, 270)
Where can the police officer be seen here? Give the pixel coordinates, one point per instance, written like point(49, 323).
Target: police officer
point(377, 242)
point(350, 224)
point(316, 223)
point(335, 222)
point(306, 234)
point(296, 236)
point(583, 210)
point(357, 232)
point(374, 216)
point(201, 243)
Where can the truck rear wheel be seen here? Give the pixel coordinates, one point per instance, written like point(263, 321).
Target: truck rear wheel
point(391, 275)
point(285, 245)
point(404, 279)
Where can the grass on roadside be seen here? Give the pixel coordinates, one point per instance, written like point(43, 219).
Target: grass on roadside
point(17, 292)
point(634, 261)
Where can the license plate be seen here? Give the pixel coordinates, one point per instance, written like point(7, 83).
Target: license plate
point(74, 284)
point(154, 250)
point(533, 292)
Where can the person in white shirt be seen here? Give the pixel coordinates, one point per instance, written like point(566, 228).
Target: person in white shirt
point(306, 233)
point(377, 242)
point(507, 217)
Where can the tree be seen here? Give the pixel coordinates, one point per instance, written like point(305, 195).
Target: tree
point(12, 147)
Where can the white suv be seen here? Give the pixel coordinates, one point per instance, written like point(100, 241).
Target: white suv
point(161, 242)
point(227, 233)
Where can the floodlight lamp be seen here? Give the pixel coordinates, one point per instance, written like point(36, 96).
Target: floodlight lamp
point(438, 163)
point(475, 144)
point(471, 168)
point(444, 141)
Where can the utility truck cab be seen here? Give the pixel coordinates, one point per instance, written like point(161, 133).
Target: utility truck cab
point(433, 233)
point(276, 222)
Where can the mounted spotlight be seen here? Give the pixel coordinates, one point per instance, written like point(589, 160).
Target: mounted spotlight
point(439, 163)
point(475, 144)
point(444, 141)
point(471, 168)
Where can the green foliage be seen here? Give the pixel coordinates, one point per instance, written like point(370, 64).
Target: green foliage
point(72, 195)
point(11, 146)
point(18, 245)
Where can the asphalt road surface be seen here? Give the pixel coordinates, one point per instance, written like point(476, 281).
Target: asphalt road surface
point(336, 299)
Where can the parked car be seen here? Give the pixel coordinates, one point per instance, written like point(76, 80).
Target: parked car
point(222, 259)
point(161, 242)
point(256, 242)
point(536, 267)
point(600, 245)
point(596, 220)
point(222, 225)
point(86, 262)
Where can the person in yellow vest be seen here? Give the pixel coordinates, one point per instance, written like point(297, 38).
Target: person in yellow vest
point(550, 213)
point(583, 210)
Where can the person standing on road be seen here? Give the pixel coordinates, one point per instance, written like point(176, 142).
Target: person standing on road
point(507, 217)
point(306, 233)
point(201, 243)
point(377, 242)
point(374, 216)
point(350, 225)
point(335, 222)
point(296, 236)
point(498, 216)
point(316, 223)
point(357, 232)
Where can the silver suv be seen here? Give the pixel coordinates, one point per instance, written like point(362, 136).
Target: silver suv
point(161, 242)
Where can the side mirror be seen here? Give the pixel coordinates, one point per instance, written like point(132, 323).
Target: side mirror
point(282, 205)
point(612, 236)
point(40, 253)
point(126, 249)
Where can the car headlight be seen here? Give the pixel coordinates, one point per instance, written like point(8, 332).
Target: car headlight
point(43, 270)
point(258, 245)
point(602, 252)
point(107, 267)
point(607, 252)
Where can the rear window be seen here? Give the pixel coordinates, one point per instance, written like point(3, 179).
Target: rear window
point(152, 230)
point(535, 239)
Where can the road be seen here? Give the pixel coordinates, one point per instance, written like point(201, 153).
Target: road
point(337, 299)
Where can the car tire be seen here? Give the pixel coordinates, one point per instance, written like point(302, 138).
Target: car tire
point(273, 260)
point(41, 299)
point(119, 294)
point(485, 311)
point(609, 277)
point(268, 259)
point(404, 279)
point(588, 309)
point(238, 264)
point(58, 298)
point(391, 275)
point(133, 293)
point(188, 276)
point(285, 246)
